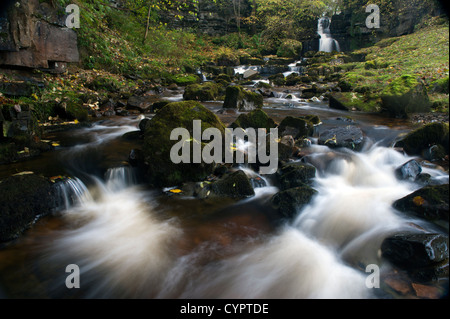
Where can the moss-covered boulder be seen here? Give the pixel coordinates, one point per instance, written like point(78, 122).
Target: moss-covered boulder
point(208, 91)
point(295, 174)
point(405, 95)
point(290, 201)
point(255, 119)
point(290, 48)
point(185, 79)
point(156, 106)
point(353, 101)
point(293, 79)
point(242, 99)
point(157, 144)
point(296, 126)
point(23, 198)
point(429, 203)
point(419, 141)
point(440, 86)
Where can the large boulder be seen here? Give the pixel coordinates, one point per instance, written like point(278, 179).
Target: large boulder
point(255, 119)
point(349, 136)
point(423, 255)
point(157, 144)
point(208, 91)
point(242, 99)
point(23, 198)
point(290, 201)
point(419, 141)
point(405, 95)
point(429, 203)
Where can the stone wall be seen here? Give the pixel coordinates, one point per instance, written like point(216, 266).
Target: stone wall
point(34, 35)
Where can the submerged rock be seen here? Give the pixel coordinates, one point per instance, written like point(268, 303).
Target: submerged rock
point(242, 99)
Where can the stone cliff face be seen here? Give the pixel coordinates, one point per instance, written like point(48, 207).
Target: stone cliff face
point(350, 30)
point(34, 35)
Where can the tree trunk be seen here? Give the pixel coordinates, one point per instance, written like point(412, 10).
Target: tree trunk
point(148, 23)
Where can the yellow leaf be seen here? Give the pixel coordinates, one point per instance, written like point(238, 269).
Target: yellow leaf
point(176, 191)
point(418, 201)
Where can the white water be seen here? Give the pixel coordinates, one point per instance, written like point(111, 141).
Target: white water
point(326, 43)
point(125, 249)
point(293, 68)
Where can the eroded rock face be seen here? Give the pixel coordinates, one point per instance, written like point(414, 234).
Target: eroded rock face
point(33, 35)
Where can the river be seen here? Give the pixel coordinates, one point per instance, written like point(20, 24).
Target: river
point(131, 241)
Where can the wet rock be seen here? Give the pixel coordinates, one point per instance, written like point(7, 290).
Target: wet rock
point(136, 158)
point(419, 141)
point(242, 99)
point(423, 255)
point(298, 127)
point(156, 106)
point(255, 119)
point(405, 95)
point(429, 203)
point(295, 174)
point(143, 124)
point(23, 198)
point(157, 144)
point(349, 136)
point(140, 103)
point(235, 185)
point(408, 171)
point(290, 201)
point(207, 91)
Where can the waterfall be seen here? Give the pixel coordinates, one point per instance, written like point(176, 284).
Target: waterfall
point(327, 43)
point(72, 191)
point(294, 68)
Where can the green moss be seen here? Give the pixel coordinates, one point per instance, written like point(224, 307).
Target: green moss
point(207, 91)
point(290, 48)
point(441, 86)
point(184, 80)
point(401, 85)
point(157, 143)
point(419, 140)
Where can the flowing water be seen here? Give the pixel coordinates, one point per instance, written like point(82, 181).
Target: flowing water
point(131, 241)
point(326, 43)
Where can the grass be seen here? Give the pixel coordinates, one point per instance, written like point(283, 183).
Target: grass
point(423, 55)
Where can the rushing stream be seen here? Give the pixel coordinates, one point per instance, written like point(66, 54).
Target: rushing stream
point(130, 241)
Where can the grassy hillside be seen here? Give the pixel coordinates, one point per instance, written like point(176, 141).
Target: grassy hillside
point(423, 54)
